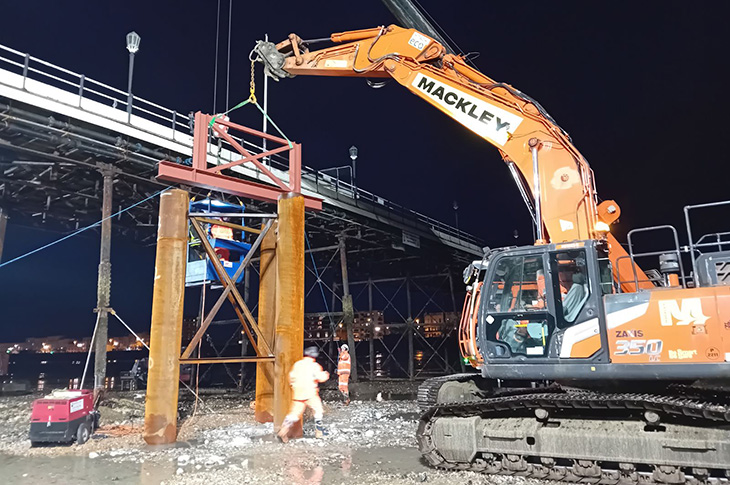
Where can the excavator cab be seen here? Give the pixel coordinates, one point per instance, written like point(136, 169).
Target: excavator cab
point(556, 312)
point(535, 300)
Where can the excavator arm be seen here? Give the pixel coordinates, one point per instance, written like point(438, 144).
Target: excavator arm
point(553, 177)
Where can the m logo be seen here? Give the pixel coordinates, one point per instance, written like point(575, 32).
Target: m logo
point(689, 310)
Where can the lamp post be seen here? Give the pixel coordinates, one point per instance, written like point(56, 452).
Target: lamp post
point(133, 40)
point(353, 157)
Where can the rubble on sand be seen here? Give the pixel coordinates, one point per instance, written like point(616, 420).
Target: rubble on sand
point(219, 441)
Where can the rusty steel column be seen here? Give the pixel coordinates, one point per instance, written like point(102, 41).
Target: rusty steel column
point(160, 415)
point(104, 283)
point(348, 313)
point(3, 227)
point(267, 323)
point(289, 301)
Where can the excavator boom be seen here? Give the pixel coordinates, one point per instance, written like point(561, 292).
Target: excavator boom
point(551, 173)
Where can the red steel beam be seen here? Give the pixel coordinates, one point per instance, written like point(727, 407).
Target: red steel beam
point(248, 158)
point(246, 129)
point(182, 174)
point(295, 168)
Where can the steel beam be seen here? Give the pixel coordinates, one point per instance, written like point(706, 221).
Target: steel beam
point(252, 230)
point(226, 360)
point(289, 301)
point(372, 332)
point(182, 174)
point(160, 420)
point(267, 312)
point(104, 282)
point(348, 312)
point(410, 329)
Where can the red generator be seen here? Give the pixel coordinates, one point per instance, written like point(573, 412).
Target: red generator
point(63, 416)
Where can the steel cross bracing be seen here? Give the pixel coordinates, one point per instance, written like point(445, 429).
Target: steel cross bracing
point(404, 343)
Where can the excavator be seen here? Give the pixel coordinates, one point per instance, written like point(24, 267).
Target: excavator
point(588, 368)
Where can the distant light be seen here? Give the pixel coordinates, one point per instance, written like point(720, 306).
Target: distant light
point(353, 152)
point(133, 40)
point(377, 329)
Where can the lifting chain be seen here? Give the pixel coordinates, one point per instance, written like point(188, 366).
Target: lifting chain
point(252, 85)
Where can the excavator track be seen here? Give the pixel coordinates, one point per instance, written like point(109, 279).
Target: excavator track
point(428, 391)
point(583, 436)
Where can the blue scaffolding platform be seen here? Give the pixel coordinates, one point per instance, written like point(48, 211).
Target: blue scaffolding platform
point(200, 269)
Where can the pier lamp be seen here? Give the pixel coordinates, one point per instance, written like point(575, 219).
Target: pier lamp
point(353, 157)
point(133, 40)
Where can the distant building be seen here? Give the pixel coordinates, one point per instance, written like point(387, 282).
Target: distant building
point(61, 344)
point(318, 326)
point(366, 325)
point(435, 325)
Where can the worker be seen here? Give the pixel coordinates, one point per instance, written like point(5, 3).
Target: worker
point(575, 298)
point(305, 376)
point(343, 373)
point(514, 334)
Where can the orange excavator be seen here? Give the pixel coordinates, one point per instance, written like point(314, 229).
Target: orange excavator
point(589, 369)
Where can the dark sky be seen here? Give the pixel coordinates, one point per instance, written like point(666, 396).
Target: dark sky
point(640, 86)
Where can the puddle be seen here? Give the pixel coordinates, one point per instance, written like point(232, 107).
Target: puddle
point(299, 467)
point(296, 466)
point(81, 470)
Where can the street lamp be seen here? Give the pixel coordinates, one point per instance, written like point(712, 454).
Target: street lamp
point(133, 40)
point(353, 156)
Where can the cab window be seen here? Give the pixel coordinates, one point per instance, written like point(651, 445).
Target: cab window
point(574, 289)
point(518, 285)
point(517, 306)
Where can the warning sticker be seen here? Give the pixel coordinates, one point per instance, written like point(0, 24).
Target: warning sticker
point(77, 405)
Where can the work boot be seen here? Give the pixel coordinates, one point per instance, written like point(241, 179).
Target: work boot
point(347, 401)
point(319, 429)
point(283, 434)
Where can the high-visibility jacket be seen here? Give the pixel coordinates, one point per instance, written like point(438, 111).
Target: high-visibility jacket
point(343, 366)
point(305, 376)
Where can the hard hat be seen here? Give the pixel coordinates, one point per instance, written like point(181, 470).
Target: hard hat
point(312, 352)
point(345, 347)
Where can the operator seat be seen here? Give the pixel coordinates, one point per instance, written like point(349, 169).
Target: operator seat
point(576, 297)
